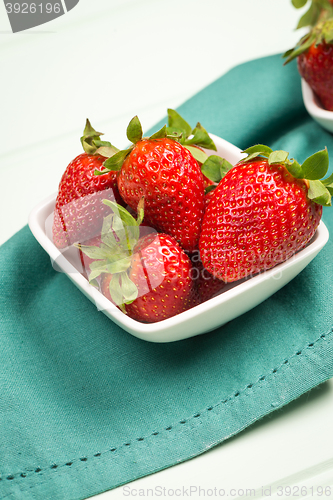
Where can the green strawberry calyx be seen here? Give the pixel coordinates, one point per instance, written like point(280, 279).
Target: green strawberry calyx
point(312, 170)
point(177, 129)
point(215, 168)
point(192, 139)
point(92, 144)
point(321, 33)
point(119, 236)
point(319, 10)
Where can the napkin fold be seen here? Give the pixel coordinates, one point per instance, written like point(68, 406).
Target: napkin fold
point(86, 407)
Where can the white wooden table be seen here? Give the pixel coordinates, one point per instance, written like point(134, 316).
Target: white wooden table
point(110, 60)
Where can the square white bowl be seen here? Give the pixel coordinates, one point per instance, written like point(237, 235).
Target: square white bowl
point(236, 299)
point(315, 109)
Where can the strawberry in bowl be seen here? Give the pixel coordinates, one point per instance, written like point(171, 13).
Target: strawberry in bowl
point(263, 211)
point(163, 168)
point(149, 277)
point(79, 210)
point(314, 55)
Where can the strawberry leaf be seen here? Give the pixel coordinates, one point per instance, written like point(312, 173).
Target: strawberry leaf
point(328, 181)
point(318, 193)
point(210, 188)
point(121, 212)
point(115, 290)
point(160, 134)
point(298, 4)
point(176, 133)
point(311, 16)
point(115, 162)
point(106, 151)
point(277, 157)
point(93, 252)
point(107, 235)
point(215, 168)
point(128, 289)
point(288, 53)
point(197, 153)
point(99, 144)
point(128, 235)
point(257, 150)
point(201, 138)
point(295, 169)
point(304, 45)
point(177, 122)
point(119, 266)
point(134, 130)
point(315, 167)
point(89, 136)
point(125, 226)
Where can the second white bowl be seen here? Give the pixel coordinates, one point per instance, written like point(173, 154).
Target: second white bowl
point(315, 109)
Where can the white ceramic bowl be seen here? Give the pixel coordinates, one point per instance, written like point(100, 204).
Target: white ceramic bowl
point(315, 109)
point(236, 298)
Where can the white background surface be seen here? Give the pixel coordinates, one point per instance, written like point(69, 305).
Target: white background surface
point(109, 60)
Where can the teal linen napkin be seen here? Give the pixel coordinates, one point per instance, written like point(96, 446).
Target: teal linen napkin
point(85, 407)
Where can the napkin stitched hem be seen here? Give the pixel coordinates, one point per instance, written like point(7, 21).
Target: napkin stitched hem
point(64, 468)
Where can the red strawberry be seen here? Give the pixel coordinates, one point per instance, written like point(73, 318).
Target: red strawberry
point(161, 271)
point(169, 178)
point(206, 285)
point(315, 61)
point(79, 210)
point(262, 212)
point(148, 278)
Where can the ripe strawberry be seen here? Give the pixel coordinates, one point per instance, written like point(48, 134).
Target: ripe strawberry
point(149, 277)
point(264, 210)
point(315, 61)
point(168, 176)
point(165, 287)
point(206, 286)
point(79, 210)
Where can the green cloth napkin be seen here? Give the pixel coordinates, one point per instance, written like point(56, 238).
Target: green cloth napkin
point(85, 407)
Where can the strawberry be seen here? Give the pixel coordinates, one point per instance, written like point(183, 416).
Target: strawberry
point(148, 277)
point(79, 211)
point(315, 61)
point(168, 176)
point(206, 286)
point(264, 210)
